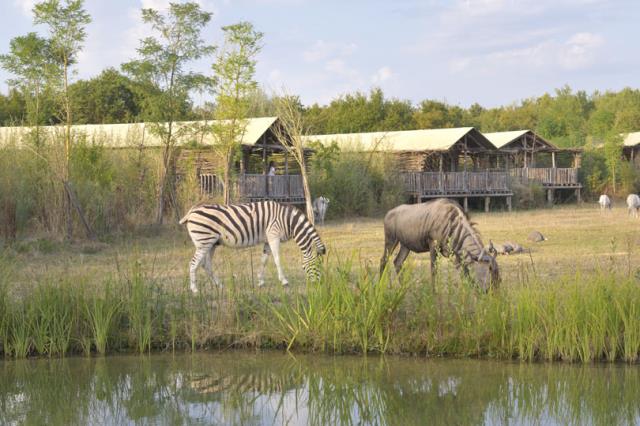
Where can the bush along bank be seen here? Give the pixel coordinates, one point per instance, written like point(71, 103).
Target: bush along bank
point(577, 318)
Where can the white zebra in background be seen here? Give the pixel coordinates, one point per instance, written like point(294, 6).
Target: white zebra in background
point(320, 206)
point(245, 225)
point(633, 204)
point(605, 202)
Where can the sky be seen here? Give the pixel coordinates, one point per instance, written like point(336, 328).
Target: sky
point(493, 52)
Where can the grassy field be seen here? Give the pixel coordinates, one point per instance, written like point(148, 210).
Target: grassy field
point(579, 239)
point(572, 297)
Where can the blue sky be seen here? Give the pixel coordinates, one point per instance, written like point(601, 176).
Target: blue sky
point(493, 52)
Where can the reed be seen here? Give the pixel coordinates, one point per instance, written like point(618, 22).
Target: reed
point(577, 318)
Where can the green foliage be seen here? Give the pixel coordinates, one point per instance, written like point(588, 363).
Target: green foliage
point(235, 69)
point(529, 196)
point(357, 183)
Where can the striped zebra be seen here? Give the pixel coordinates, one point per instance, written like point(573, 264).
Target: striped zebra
point(245, 225)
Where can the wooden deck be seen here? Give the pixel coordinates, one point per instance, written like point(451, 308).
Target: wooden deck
point(463, 184)
point(548, 177)
point(256, 187)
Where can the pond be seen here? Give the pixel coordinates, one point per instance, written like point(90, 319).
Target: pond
point(276, 388)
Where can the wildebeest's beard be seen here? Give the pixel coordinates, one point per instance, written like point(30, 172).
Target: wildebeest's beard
point(485, 273)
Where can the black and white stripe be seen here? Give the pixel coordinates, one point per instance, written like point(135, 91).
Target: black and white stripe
point(245, 225)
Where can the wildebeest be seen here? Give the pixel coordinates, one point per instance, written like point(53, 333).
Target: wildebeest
point(605, 202)
point(439, 227)
point(536, 237)
point(515, 247)
point(320, 206)
point(633, 204)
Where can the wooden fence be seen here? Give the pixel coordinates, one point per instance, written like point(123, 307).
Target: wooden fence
point(456, 183)
point(254, 187)
point(565, 177)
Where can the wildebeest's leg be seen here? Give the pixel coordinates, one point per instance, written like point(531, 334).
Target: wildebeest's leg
point(196, 260)
point(208, 267)
point(433, 253)
point(274, 244)
point(265, 255)
point(389, 246)
point(400, 258)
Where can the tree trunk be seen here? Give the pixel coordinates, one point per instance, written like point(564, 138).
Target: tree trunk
point(227, 179)
point(307, 193)
point(160, 202)
point(73, 201)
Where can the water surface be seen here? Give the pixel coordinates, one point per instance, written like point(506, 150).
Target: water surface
point(275, 388)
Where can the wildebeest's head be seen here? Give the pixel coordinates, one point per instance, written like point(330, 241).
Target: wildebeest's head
point(484, 271)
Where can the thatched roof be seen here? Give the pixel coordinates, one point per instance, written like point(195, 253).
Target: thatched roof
point(409, 140)
point(631, 139)
point(519, 140)
point(136, 134)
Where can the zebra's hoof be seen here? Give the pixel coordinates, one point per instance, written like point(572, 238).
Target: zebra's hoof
point(285, 283)
point(260, 283)
point(194, 289)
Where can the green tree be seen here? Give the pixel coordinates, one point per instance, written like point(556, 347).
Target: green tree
point(30, 61)
point(110, 97)
point(613, 155)
point(162, 65)
point(66, 23)
point(234, 68)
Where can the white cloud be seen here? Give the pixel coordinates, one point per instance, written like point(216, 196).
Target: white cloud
point(383, 74)
point(322, 50)
point(25, 5)
point(580, 50)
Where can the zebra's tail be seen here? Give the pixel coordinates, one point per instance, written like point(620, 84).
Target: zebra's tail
point(186, 217)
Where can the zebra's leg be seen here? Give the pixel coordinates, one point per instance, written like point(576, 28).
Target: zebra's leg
point(274, 244)
point(400, 258)
point(265, 256)
point(196, 260)
point(208, 267)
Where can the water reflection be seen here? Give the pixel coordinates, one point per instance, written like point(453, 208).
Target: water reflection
point(261, 389)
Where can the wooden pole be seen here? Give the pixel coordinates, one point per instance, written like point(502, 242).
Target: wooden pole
point(553, 159)
point(487, 200)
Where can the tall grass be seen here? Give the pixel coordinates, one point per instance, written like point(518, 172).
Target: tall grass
point(351, 310)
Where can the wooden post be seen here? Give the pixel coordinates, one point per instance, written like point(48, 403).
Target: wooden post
point(441, 161)
point(550, 196)
point(553, 159)
point(578, 196)
point(487, 200)
point(286, 173)
point(466, 204)
point(509, 203)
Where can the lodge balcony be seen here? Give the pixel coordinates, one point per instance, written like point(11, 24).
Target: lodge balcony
point(548, 177)
point(423, 185)
point(257, 187)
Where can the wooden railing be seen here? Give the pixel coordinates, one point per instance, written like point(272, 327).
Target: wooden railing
point(253, 187)
point(452, 183)
point(263, 187)
point(547, 176)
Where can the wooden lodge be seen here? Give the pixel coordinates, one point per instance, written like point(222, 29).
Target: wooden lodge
point(259, 148)
point(527, 157)
point(450, 163)
point(631, 148)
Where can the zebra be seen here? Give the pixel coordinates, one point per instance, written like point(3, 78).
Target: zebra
point(605, 202)
point(246, 225)
point(633, 204)
point(320, 206)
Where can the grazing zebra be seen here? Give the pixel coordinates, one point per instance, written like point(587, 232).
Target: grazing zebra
point(320, 206)
point(439, 227)
point(245, 225)
point(605, 202)
point(633, 204)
